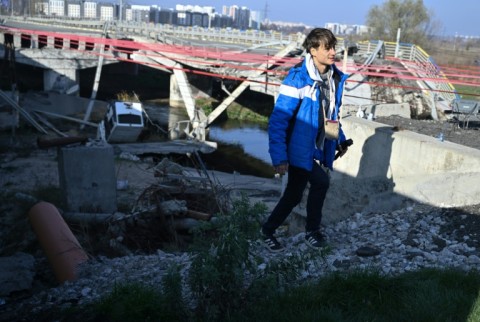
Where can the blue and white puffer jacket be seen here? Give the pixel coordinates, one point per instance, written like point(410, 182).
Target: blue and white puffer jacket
point(301, 151)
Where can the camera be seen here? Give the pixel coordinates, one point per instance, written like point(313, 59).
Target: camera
point(345, 144)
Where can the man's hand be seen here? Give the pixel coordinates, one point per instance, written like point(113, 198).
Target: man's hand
point(343, 148)
point(281, 168)
point(341, 151)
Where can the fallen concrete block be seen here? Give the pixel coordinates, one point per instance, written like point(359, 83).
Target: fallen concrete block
point(16, 273)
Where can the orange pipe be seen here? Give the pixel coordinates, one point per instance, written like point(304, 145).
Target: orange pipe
point(63, 251)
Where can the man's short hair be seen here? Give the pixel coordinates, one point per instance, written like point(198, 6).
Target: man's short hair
point(318, 37)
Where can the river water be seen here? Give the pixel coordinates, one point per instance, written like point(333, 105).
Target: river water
point(242, 146)
point(251, 137)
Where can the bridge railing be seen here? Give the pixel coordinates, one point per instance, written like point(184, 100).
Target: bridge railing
point(212, 34)
point(420, 64)
point(159, 31)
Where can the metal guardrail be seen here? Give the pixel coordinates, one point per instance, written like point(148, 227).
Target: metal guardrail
point(159, 31)
point(422, 65)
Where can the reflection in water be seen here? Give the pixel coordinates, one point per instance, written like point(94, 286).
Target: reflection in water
point(164, 115)
point(251, 137)
point(231, 136)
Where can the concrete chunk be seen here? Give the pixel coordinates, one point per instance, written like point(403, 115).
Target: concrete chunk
point(87, 178)
point(16, 273)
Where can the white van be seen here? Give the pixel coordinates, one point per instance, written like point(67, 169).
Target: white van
point(122, 123)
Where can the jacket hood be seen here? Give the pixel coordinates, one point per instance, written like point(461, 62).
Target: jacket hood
point(312, 69)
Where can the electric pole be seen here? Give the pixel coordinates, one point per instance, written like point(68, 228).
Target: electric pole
point(265, 11)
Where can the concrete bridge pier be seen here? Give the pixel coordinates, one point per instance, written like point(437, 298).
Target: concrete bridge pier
point(65, 80)
point(175, 99)
point(17, 40)
point(200, 87)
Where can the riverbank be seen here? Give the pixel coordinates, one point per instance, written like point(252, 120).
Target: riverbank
point(409, 238)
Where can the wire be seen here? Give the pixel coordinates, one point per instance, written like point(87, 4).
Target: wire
point(229, 64)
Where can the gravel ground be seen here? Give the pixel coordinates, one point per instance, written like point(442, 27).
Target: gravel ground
point(454, 132)
point(392, 243)
point(408, 239)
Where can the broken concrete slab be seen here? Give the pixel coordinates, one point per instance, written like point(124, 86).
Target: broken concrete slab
point(16, 273)
point(379, 110)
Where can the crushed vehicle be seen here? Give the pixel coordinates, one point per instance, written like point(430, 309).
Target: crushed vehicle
point(123, 122)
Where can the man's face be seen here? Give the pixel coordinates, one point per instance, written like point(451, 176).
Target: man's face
point(322, 56)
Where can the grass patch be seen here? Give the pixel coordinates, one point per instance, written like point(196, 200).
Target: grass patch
point(239, 112)
point(134, 302)
point(426, 295)
point(235, 111)
point(468, 92)
point(131, 302)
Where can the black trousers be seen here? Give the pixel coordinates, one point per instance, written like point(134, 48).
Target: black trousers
point(298, 178)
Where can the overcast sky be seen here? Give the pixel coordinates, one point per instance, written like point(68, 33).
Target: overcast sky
point(456, 16)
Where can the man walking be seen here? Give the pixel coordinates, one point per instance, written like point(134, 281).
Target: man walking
point(299, 144)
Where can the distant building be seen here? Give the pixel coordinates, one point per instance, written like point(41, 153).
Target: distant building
point(256, 18)
point(139, 13)
point(90, 10)
point(221, 21)
point(231, 11)
point(55, 8)
point(345, 29)
point(105, 11)
point(243, 19)
point(183, 15)
point(194, 15)
point(184, 18)
point(167, 16)
point(74, 8)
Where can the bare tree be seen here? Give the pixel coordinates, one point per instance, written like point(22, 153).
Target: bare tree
point(411, 16)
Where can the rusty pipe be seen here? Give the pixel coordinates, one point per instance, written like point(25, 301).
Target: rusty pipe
point(59, 142)
point(61, 247)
